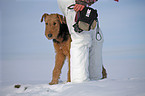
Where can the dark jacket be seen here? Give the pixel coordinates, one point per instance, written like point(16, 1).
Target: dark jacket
point(85, 2)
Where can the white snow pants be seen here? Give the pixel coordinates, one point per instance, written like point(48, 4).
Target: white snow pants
point(86, 51)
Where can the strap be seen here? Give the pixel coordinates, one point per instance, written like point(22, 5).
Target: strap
point(77, 13)
point(98, 35)
point(71, 6)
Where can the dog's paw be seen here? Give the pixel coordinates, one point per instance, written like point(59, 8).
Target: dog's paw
point(52, 82)
point(68, 80)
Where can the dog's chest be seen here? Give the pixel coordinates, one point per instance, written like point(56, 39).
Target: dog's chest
point(64, 47)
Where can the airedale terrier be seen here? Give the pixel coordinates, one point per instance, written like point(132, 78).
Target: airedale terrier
point(56, 29)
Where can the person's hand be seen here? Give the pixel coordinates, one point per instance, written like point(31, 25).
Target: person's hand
point(78, 7)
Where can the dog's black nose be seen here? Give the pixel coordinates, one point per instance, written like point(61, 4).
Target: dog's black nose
point(49, 35)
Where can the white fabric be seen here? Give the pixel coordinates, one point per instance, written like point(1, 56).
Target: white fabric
point(86, 51)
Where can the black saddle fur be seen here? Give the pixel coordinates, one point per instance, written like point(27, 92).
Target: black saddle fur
point(63, 33)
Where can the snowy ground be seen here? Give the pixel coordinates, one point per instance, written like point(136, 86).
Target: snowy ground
point(107, 87)
point(126, 77)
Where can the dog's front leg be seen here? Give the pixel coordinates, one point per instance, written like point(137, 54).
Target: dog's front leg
point(59, 61)
point(68, 76)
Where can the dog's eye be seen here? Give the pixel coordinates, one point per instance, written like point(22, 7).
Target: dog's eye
point(54, 23)
point(46, 23)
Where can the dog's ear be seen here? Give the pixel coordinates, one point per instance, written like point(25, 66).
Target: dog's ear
point(43, 16)
point(61, 19)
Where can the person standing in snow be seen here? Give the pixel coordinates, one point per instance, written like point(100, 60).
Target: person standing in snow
point(86, 51)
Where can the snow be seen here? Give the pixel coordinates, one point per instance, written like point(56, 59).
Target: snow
point(126, 77)
point(106, 87)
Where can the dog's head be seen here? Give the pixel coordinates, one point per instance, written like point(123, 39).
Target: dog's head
point(52, 24)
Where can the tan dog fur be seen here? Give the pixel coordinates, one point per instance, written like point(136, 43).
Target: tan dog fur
point(62, 48)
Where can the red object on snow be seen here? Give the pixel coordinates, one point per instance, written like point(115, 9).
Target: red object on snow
point(116, 0)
